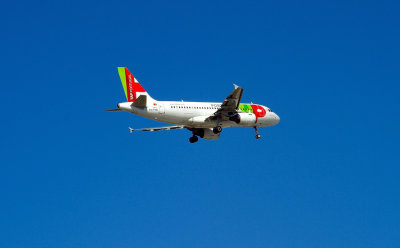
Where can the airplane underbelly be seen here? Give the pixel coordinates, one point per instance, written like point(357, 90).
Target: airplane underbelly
point(201, 121)
point(173, 118)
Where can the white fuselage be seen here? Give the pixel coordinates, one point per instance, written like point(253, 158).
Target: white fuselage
point(195, 114)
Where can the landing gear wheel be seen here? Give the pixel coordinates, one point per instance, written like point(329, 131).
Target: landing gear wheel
point(257, 135)
point(217, 129)
point(193, 139)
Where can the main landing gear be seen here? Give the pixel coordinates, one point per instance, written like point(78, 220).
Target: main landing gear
point(193, 139)
point(257, 134)
point(217, 129)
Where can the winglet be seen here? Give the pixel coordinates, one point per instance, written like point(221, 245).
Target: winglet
point(235, 86)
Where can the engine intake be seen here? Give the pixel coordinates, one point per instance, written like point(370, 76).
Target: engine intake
point(235, 118)
point(244, 118)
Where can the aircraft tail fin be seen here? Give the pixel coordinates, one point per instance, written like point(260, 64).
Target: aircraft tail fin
point(133, 89)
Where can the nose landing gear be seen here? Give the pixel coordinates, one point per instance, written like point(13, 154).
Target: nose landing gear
point(257, 134)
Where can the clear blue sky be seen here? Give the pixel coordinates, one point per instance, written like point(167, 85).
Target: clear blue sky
point(328, 175)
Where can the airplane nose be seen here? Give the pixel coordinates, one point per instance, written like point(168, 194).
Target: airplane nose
point(276, 119)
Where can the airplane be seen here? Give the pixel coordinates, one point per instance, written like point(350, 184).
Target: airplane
point(203, 119)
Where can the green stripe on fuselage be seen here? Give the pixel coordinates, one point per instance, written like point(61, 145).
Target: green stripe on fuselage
point(246, 108)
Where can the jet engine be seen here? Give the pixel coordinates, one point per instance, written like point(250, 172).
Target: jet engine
point(207, 133)
point(244, 118)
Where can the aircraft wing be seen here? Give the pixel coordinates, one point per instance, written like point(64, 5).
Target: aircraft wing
point(232, 102)
point(230, 105)
point(156, 128)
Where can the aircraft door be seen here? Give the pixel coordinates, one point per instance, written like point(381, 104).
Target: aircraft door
point(161, 108)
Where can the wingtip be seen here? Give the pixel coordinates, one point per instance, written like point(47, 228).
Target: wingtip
point(236, 86)
point(131, 130)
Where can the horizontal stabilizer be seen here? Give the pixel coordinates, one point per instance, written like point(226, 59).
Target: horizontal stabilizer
point(113, 110)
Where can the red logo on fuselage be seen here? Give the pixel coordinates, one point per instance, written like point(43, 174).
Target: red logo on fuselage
point(259, 111)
